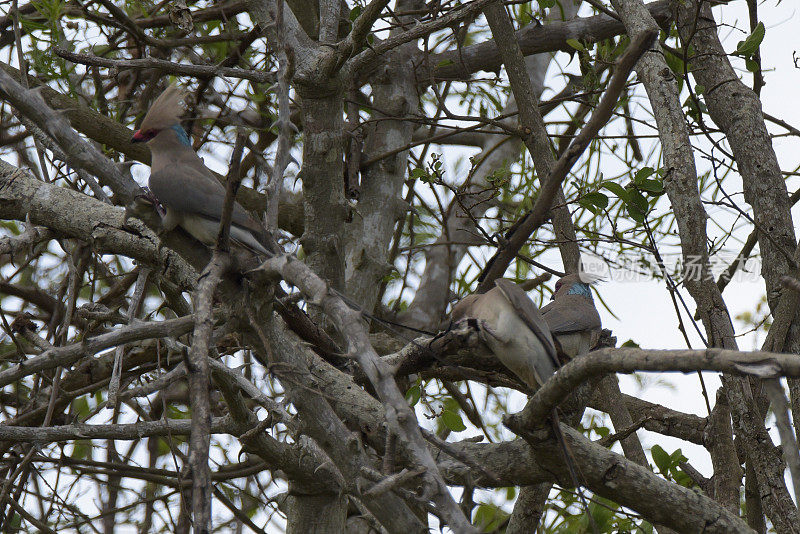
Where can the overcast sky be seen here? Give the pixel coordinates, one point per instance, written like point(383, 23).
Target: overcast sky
point(644, 309)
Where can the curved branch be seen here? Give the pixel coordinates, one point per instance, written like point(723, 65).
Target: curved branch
point(68, 354)
point(629, 360)
point(534, 38)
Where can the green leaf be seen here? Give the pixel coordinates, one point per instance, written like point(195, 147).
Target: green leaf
point(419, 173)
point(511, 492)
point(81, 449)
point(16, 523)
point(749, 46)
point(636, 199)
point(12, 226)
point(391, 275)
point(162, 447)
point(598, 199)
point(675, 63)
point(453, 421)
point(617, 189)
point(642, 174)
point(489, 517)
point(594, 201)
point(699, 89)
point(175, 412)
point(354, 13)
point(695, 107)
point(574, 43)
point(631, 343)
point(681, 478)
point(80, 406)
point(499, 175)
point(661, 458)
point(677, 456)
point(653, 187)
point(636, 214)
point(413, 394)
point(603, 512)
point(751, 65)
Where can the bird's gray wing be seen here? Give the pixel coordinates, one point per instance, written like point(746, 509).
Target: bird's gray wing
point(187, 189)
point(463, 308)
point(529, 314)
point(571, 313)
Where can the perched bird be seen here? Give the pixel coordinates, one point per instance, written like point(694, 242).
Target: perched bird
point(517, 334)
point(572, 317)
point(514, 331)
point(192, 196)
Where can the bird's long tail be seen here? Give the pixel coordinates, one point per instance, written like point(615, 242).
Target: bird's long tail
point(569, 459)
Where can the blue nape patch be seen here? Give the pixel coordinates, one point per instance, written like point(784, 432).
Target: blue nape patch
point(181, 133)
point(580, 288)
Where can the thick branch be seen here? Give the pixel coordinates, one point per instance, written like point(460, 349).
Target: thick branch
point(634, 486)
point(66, 355)
point(534, 38)
point(73, 214)
point(629, 360)
point(132, 431)
point(401, 419)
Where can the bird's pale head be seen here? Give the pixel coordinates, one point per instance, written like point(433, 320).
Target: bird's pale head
point(572, 284)
point(164, 114)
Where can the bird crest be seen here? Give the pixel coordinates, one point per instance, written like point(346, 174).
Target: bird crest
point(166, 111)
point(592, 269)
point(590, 278)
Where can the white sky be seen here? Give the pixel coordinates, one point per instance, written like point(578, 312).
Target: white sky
point(644, 310)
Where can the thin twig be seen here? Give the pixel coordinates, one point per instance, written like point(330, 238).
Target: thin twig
point(119, 352)
point(79, 153)
point(285, 129)
point(780, 407)
point(551, 185)
point(198, 71)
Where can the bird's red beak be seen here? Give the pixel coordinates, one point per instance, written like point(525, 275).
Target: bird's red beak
point(138, 137)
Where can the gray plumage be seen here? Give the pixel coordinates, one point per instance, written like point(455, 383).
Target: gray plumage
point(192, 196)
point(513, 329)
point(572, 317)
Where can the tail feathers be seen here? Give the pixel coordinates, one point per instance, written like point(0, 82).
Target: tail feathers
point(569, 459)
point(206, 230)
point(259, 243)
